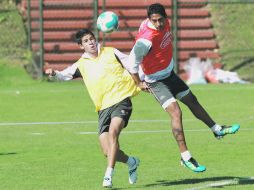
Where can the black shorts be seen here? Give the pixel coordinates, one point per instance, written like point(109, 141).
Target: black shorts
point(169, 89)
point(122, 109)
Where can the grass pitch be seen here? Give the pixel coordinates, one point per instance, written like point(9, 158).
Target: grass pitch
point(48, 140)
point(48, 137)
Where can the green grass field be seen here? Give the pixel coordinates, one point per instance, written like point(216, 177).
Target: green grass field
point(48, 139)
point(48, 131)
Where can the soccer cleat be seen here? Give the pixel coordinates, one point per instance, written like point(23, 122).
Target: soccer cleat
point(133, 175)
point(226, 130)
point(107, 182)
point(193, 165)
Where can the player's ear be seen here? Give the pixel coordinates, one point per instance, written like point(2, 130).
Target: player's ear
point(81, 46)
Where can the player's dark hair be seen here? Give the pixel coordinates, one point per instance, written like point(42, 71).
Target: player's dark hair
point(156, 8)
point(81, 33)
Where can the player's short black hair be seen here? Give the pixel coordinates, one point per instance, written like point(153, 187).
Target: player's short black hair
point(79, 35)
point(156, 8)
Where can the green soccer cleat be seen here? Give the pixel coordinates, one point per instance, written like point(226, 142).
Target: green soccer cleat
point(193, 165)
point(227, 130)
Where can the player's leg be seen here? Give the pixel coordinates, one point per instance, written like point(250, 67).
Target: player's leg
point(123, 110)
point(164, 96)
point(115, 128)
point(132, 162)
point(175, 114)
point(177, 128)
point(162, 92)
point(104, 143)
point(200, 113)
point(197, 109)
point(112, 120)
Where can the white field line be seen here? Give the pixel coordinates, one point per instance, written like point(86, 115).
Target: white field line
point(47, 123)
point(155, 131)
point(95, 122)
point(78, 122)
point(242, 87)
point(37, 134)
point(142, 131)
point(220, 184)
point(40, 91)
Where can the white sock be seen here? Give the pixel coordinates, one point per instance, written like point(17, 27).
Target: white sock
point(186, 155)
point(130, 162)
point(216, 128)
point(109, 172)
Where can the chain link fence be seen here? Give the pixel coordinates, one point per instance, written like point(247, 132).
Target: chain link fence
point(13, 41)
point(229, 40)
point(52, 26)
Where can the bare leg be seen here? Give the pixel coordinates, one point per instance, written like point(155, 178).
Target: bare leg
point(196, 108)
point(104, 143)
point(110, 145)
point(111, 149)
point(177, 127)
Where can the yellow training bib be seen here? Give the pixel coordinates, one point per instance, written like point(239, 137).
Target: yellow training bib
point(107, 81)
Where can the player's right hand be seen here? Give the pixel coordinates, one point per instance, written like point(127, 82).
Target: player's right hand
point(143, 86)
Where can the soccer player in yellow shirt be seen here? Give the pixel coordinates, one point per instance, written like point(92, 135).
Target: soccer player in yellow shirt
point(110, 87)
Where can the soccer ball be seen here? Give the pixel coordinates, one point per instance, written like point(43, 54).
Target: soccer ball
point(107, 22)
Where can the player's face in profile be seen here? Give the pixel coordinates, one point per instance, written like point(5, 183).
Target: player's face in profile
point(158, 21)
point(89, 44)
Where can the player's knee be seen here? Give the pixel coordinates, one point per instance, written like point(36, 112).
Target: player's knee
point(113, 137)
point(112, 134)
point(177, 113)
point(194, 99)
point(190, 100)
point(174, 110)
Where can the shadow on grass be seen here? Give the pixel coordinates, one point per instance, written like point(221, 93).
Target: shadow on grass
point(216, 182)
point(7, 153)
point(243, 63)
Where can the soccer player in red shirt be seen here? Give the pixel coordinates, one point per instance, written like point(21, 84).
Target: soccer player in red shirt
point(152, 55)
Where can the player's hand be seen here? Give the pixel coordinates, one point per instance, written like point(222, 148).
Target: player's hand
point(50, 72)
point(143, 86)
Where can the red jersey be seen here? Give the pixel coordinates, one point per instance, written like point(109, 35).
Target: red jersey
point(160, 55)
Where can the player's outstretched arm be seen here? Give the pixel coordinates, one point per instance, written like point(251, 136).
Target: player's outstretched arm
point(67, 74)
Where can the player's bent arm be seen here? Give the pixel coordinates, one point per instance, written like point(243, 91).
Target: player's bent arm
point(141, 84)
point(136, 78)
point(138, 52)
point(124, 60)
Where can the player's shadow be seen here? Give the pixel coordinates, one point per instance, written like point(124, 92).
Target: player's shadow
point(7, 153)
point(216, 181)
